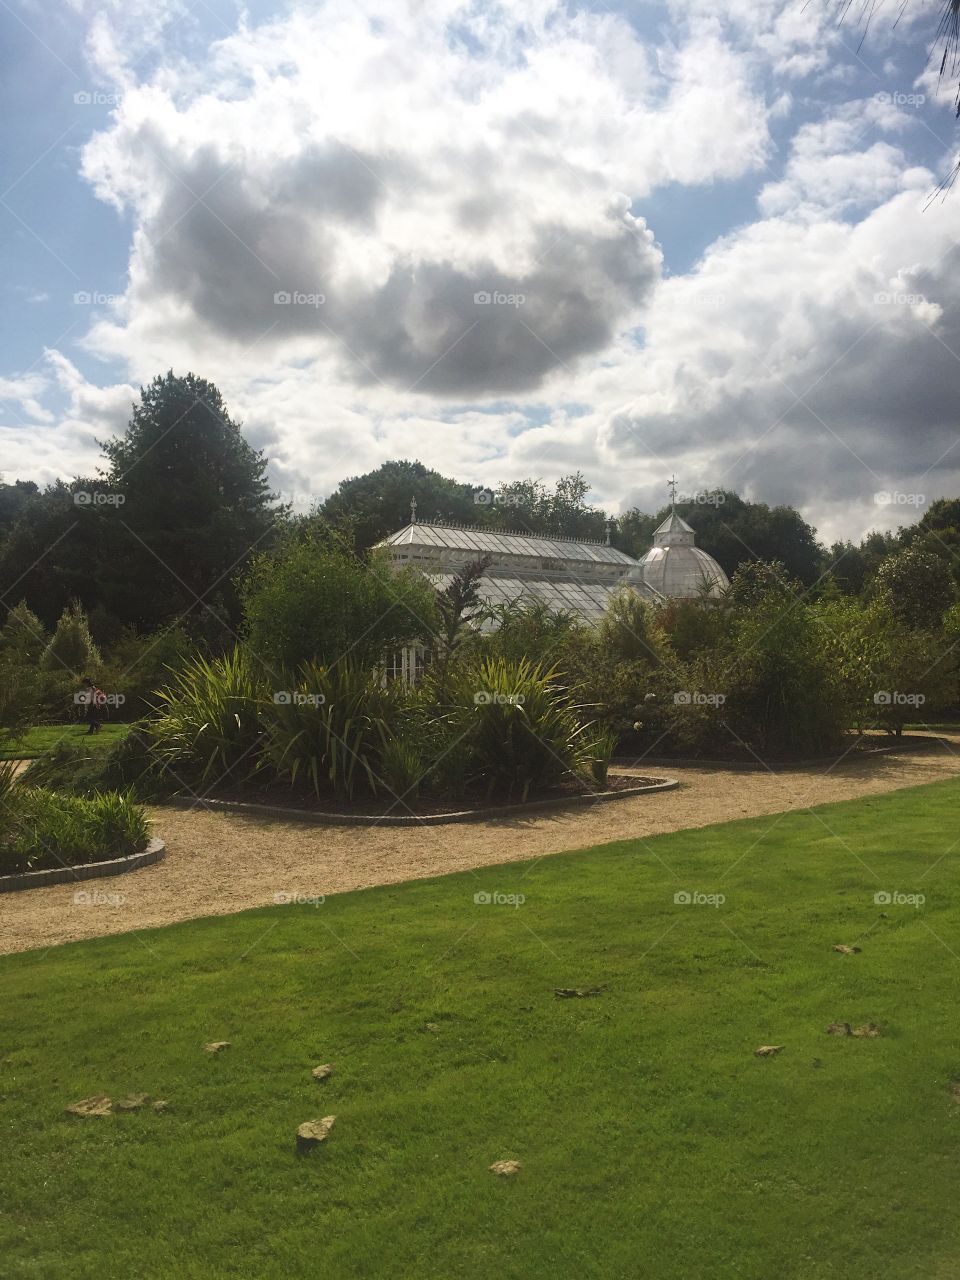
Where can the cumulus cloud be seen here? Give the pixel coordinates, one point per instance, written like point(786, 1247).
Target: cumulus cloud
point(376, 175)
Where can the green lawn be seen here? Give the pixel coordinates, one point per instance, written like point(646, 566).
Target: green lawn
point(41, 738)
point(653, 1142)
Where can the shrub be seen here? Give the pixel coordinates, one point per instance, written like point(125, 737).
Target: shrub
point(313, 600)
point(71, 650)
point(517, 728)
point(208, 721)
point(45, 829)
point(137, 664)
point(331, 727)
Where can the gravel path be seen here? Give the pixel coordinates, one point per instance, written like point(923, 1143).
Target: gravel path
point(218, 863)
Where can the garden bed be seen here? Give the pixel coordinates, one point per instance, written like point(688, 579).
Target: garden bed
point(154, 851)
point(867, 748)
point(307, 807)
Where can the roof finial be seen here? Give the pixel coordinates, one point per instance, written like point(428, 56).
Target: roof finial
point(609, 528)
point(413, 510)
point(672, 486)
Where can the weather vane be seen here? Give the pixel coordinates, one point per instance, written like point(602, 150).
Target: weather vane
point(672, 486)
point(413, 510)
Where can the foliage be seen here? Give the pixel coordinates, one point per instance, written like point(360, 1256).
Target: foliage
point(23, 637)
point(517, 728)
point(758, 580)
point(208, 724)
point(530, 627)
point(137, 664)
point(627, 630)
point(917, 585)
point(40, 828)
point(376, 504)
point(330, 727)
point(71, 649)
point(458, 606)
point(313, 601)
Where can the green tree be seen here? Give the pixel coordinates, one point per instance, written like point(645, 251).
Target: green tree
point(458, 605)
point(23, 637)
point(195, 503)
point(71, 648)
point(917, 585)
point(376, 504)
point(311, 599)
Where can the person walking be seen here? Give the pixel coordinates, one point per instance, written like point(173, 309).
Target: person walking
point(93, 701)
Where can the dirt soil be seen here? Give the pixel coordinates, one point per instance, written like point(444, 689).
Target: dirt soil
point(218, 863)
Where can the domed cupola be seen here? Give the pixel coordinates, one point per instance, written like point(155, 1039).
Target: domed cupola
point(676, 567)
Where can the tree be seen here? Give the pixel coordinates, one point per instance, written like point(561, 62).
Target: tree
point(23, 637)
point(562, 512)
point(71, 649)
point(917, 585)
point(756, 581)
point(195, 503)
point(376, 504)
point(312, 599)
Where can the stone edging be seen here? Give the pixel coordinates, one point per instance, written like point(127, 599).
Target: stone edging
point(895, 746)
point(154, 852)
point(422, 820)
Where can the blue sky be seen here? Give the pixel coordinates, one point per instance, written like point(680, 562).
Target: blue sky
point(715, 218)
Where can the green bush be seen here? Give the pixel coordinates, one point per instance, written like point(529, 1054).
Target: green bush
point(71, 650)
point(517, 728)
point(208, 725)
point(42, 829)
point(329, 728)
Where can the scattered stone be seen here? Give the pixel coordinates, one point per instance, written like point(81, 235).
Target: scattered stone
point(312, 1132)
point(505, 1168)
point(133, 1102)
point(160, 1105)
point(768, 1050)
point(322, 1072)
point(98, 1104)
point(569, 993)
point(955, 1090)
point(216, 1046)
point(868, 1031)
point(845, 950)
point(839, 1029)
point(431, 1026)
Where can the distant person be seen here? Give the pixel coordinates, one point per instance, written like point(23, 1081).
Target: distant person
point(94, 703)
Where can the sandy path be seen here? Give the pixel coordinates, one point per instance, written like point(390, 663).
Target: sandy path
point(218, 863)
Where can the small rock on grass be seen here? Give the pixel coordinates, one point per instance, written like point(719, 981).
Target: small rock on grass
point(571, 993)
point(98, 1104)
point(768, 1050)
point(505, 1168)
point(132, 1102)
point(160, 1105)
point(868, 1031)
point(955, 1090)
point(216, 1046)
point(312, 1132)
point(845, 950)
point(323, 1071)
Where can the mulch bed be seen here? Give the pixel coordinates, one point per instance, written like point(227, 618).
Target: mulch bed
point(425, 806)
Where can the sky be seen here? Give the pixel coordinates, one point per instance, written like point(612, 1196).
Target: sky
point(698, 238)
